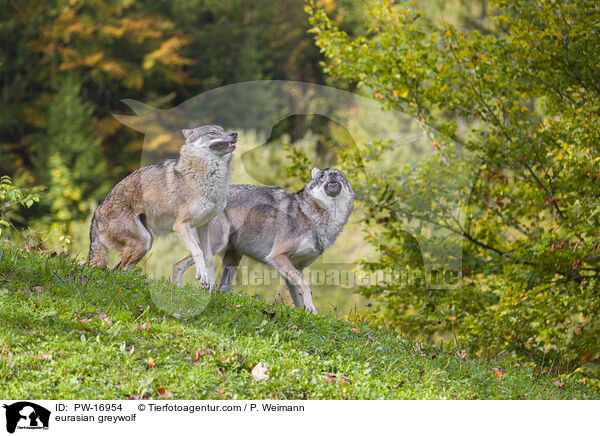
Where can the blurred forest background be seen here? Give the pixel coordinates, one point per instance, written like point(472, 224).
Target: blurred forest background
point(514, 82)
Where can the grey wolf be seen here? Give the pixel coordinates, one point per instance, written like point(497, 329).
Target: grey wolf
point(285, 231)
point(180, 195)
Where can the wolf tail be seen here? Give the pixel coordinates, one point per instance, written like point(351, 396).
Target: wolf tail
point(98, 255)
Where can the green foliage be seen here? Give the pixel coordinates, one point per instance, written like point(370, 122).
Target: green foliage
point(11, 197)
point(97, 335)
point(299, 165)
point(522, 95)
point(69, 163)
point(66, 66)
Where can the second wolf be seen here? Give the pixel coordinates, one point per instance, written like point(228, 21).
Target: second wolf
point(180, 195)
point(286, 231)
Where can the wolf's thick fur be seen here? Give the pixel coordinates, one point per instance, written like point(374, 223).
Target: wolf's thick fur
point(286, 231)
point(177, 195)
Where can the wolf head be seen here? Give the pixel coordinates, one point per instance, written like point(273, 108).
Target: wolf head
point(332, 188)
point(209, 139)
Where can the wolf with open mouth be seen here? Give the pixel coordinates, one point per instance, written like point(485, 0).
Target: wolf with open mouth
point(286, 231)
point(181, 195)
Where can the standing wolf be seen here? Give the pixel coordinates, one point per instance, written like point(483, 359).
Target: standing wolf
point(286, 231)
point(180, 195)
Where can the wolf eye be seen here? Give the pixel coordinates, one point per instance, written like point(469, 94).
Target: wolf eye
point(212, 133)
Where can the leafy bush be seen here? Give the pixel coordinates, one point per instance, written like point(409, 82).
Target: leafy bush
point(11, 197)
point(522, 95)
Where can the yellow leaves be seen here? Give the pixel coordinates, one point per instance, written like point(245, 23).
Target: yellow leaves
point(402, 94)
point(159, 141)
point(92, 59)
point(142, 28)
point(116, 32)
point(327, 5)
point(107, 125)
point(31, 115)
point(167, 54)
point(88, 61)
point(112, 68)
point(76, 27)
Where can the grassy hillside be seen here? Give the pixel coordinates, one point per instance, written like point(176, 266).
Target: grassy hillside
point(68, 331)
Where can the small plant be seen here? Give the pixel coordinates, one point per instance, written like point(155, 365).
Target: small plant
point(11, 197)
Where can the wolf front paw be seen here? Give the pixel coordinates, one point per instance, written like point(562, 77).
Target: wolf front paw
point(311, 309)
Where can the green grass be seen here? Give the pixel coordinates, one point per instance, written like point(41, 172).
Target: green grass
point(108, 340)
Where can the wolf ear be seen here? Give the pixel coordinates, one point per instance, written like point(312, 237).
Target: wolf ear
point(186, 133)
point(314, 172)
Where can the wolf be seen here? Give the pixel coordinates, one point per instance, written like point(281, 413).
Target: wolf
point(180, 195)
point(285, 231)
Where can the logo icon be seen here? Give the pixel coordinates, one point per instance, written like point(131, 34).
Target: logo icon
point(26, 415)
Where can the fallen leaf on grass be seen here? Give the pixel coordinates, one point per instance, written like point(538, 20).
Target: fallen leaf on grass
point(219, 372)
point(558, 384)
point(400, 383)
point(498, 373)
point(268, 312)
point(462, 355)
point(104, 317)
point(330, 378)
point(200, 353)
point(45, 356)
point(138, 397)
point(164, 393)
point(355, 330)
point(259, 372)
point(38, 289)
point(151, 363)
point(333, 378)
point(145, 326)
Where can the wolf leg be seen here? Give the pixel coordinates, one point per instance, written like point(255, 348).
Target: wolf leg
point(131, 256)
point(135, 240)
point(98, 254)
point(231, 260)
point(288, 271)
point(293, 290)
point(204, 240)
point(188, 236)
point(179, 268)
